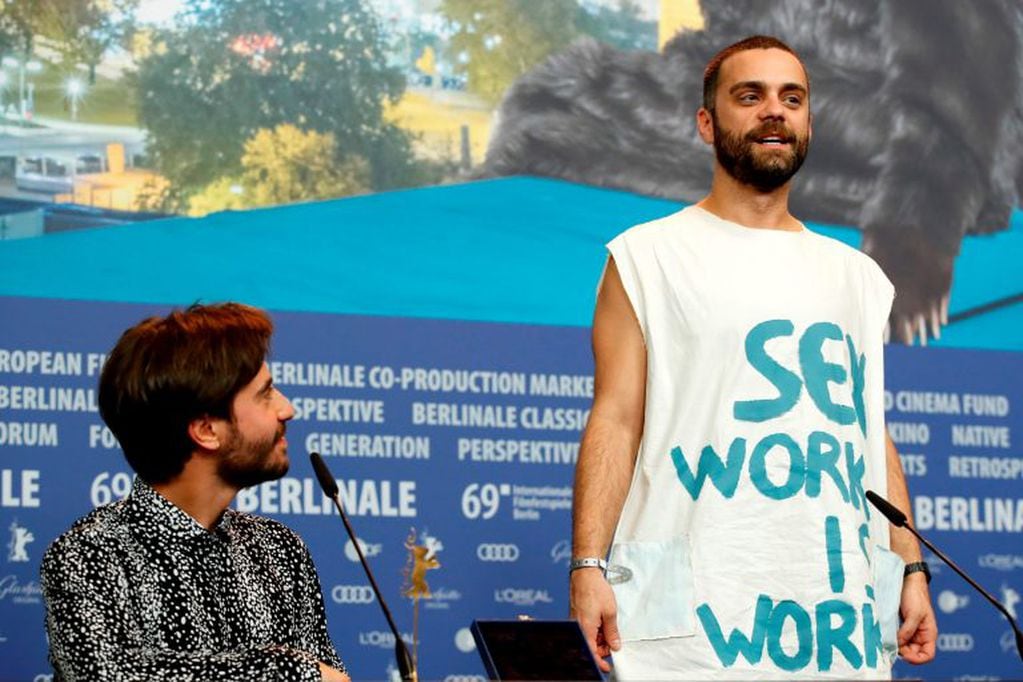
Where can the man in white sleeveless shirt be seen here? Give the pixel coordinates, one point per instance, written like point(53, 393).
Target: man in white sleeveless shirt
point(738, 420)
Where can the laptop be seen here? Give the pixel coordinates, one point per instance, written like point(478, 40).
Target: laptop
point(534, 650)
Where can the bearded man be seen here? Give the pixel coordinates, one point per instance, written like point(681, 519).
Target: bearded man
point(169, 583)
point(737, 421)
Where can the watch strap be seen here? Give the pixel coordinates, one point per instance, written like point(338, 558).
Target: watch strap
point(918, 567)
point(587, 562)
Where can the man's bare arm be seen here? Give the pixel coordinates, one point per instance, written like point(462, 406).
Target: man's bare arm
point(919, 632)
point(607, 456)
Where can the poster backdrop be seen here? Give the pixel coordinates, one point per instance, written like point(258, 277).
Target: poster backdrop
point(463, 436)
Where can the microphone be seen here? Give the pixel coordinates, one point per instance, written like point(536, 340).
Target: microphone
point(899, 520)
point(405, 665)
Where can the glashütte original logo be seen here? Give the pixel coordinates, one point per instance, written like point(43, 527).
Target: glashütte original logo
point(28, 593)
point(441, 598)
point(17, 547)
point(497, 552)
point(561, 553)
point(1008, 642)
point(522, 596)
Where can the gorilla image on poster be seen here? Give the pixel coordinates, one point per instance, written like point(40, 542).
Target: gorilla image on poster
point(917, 113)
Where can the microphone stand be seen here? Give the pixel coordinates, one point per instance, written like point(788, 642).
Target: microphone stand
point(406, 666)
point(899, 520)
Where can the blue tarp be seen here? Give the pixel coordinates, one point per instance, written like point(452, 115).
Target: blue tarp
point(523, 250)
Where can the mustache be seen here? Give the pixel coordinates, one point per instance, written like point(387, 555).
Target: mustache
point(280, 433)
point(771, 130)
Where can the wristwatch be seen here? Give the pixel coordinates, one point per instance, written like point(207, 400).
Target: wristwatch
point(587, 562)
point(918, 567)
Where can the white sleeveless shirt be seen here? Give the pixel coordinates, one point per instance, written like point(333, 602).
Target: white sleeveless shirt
point(747, 540)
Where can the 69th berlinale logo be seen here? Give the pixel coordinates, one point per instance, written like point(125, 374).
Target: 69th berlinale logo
point(497, 552)
point(17, 548)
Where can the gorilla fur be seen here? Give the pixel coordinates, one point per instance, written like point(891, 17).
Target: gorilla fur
point(918, 125)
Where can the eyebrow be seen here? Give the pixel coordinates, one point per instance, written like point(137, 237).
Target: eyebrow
point(760, 85)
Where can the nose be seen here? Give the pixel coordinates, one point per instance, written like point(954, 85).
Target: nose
point(285, 410)
point(772, 107)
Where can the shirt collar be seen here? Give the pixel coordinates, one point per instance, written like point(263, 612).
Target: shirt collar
point(159, 515)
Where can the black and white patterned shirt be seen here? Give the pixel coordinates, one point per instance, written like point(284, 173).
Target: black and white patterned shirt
point(139, 590)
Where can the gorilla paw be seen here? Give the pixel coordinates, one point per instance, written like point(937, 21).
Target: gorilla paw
point(922, 274)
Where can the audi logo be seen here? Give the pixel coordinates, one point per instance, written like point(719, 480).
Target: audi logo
point(955, 641)
point(496, 552)
point(352, 594)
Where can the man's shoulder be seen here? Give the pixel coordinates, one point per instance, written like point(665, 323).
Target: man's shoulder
point(849, 254)
point(658, 227)
point(99, 530)
point(261, 527)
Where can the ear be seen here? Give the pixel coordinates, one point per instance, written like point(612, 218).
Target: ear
point(204, 433)
point(705, 125)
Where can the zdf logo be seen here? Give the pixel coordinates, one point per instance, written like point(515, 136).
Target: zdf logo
point(955, 641)
point(352, 594)
point(950, 602)
point(497, 552)
point(368, 550)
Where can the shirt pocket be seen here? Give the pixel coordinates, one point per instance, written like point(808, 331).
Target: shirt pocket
point(888, 570)
point(654, 588)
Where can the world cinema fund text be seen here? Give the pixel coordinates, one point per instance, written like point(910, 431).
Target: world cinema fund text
point(835, 628)
point(971, 452)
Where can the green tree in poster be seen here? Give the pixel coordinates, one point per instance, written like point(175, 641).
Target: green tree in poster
point(81, 31)
point(496, 41)
point(286, 164)
point(15, 28)
point(281, 166)
point(232, 67)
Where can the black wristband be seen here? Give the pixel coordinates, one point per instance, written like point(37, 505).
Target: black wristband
point(918, 567)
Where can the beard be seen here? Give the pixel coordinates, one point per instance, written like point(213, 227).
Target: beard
point(251, 462)
point(764, 169)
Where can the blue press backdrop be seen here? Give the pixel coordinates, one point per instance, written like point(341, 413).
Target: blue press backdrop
point(493, 277)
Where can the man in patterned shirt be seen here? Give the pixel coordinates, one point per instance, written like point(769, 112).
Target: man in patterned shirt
point(169, 583)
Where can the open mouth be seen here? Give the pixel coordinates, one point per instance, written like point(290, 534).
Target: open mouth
point(773, 141)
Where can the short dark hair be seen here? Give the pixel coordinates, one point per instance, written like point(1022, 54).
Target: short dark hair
point(167, 371)
point(713, 70)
